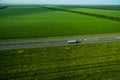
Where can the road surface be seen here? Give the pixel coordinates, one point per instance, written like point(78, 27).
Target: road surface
point(54, 41)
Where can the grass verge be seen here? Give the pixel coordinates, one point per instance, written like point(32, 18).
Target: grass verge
point(75, 62)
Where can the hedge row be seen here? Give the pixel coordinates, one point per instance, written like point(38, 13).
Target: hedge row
point(3, 7)
point(90, 14)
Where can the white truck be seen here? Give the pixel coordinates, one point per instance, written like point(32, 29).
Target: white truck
point(73, 41)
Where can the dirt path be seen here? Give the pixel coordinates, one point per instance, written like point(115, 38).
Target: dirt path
point(61, 41)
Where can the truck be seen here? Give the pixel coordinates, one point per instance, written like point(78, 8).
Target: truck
point(73, 41)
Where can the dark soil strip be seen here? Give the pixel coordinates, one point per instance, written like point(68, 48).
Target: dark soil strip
point(90, 14)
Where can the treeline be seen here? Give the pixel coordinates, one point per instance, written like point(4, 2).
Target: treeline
point(3, 7)
point(90, 14)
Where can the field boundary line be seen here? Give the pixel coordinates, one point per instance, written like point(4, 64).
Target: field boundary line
point(85, 13)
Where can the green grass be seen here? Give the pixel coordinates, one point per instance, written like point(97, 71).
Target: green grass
point(77, 62)
point(27, 22)
point(113, 13)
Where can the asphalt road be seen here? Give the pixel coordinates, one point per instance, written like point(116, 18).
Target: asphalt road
point(61, 41)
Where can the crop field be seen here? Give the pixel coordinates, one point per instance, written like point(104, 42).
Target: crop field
point(75, 62)
point(106, 7)
point(114, 13)
point(36, 21)
point(25, 25)
point(103, 7)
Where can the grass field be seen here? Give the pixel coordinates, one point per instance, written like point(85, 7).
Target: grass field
point(78, 62)
point(74, 62)
point(114, 13)
point(35, 21)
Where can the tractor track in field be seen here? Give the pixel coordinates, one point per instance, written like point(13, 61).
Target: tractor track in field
point(60, 41)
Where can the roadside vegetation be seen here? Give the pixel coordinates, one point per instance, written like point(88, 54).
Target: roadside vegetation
point(75, 62)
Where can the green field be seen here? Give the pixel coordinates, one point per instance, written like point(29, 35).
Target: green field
point(35, 21)
point(73, 62)
point(113, 13)
point(78, 62)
